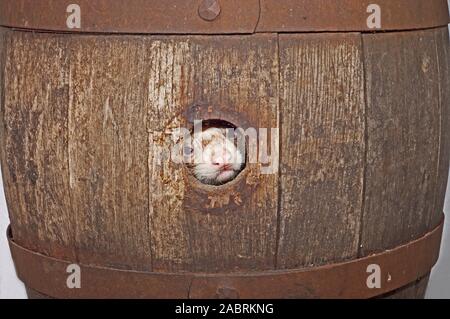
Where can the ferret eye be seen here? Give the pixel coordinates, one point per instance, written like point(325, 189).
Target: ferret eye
point(188, 150)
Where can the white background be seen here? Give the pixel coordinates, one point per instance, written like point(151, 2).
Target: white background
point(11, 287)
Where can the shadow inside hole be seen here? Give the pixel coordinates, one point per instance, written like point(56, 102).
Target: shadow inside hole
point(215, 123)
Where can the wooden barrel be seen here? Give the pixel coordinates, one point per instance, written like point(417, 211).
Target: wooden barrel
point(358, 94)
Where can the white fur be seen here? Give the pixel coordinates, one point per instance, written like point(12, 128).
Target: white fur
point(219, 161)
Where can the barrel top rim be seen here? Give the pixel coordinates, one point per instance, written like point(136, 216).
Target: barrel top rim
point(220, 16)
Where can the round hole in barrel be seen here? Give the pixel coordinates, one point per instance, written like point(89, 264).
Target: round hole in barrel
point(216, 152)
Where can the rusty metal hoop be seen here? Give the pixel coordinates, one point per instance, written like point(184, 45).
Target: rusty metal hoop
point(236, 16)
point(399, 267)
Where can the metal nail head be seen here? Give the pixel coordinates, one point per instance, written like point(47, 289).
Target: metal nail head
point(209, 10)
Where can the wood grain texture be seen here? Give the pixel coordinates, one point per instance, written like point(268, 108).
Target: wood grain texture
point(443, 57)
point(85, 118)
point(166, 189)
point(208, 228)
point(365, 125)
point(35, 139)
point(403, 115)
point(322, 105)
point(3, 32)
point(107, 116)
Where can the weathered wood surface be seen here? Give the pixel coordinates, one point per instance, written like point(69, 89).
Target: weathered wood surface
point(107, 123)
point(2, 69)
point(364, 147)
point(443, 56)
point(213, 229)
point(322, 105)
point(403, 138)
point(83, 119)
point(35, 140)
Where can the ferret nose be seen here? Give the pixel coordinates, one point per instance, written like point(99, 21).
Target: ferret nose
point(222, 159)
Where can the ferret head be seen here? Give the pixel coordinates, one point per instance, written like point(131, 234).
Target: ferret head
point(215, 159)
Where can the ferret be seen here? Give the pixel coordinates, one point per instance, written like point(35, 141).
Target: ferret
point(214, 157)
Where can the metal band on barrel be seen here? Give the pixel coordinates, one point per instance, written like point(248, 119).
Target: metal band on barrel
point(231, 16)
point(399, 267)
